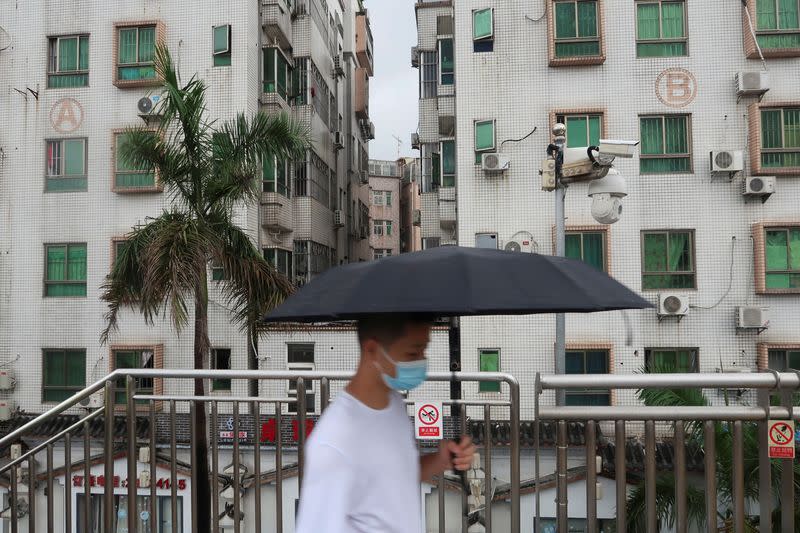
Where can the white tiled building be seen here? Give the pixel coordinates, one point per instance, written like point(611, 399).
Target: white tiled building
point(73, 75)
point(660, 72)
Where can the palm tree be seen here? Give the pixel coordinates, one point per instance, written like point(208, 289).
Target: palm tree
point(695, 498)
point(208, 169)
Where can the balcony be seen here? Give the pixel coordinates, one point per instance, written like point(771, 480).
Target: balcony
point(276, 212)
point(276, 18)
point(362, 93)
point(364, 50)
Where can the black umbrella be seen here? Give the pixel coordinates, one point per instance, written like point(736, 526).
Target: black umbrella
point(456, 281)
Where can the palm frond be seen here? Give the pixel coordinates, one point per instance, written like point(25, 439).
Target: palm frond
point(665, 505)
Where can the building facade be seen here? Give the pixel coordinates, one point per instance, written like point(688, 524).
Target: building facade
point(700, 235)
point(74, 77)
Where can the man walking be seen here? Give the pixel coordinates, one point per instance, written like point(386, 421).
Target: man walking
point(362, 469)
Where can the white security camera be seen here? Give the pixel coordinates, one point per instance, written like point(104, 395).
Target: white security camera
point(579, 166)
point(611, 147)
point(607, 194)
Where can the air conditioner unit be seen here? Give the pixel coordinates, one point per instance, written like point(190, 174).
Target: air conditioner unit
point(364, 174)
point(338, 66)
point(417, 217)
point(519, 245)
point(6, 410)
point(494, 162)
point(733, 369)
point(753, 83)
point(371, 131)
point(752, 317)
point(148, 105)
point(338, 140)
point(415, 57)
point(759, 186)
point(415, 141)
point(672, 305)
point(338, 218)
point(7, 381)
point(95, 401)
point(727, 161)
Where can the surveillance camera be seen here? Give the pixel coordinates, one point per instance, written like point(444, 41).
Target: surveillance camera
point(607, 194)
point(578, 166)
point(616, 148)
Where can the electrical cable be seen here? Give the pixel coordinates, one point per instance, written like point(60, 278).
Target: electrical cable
point(6, 47)
point(753, 34)
point(518, 140)
point(730, 280)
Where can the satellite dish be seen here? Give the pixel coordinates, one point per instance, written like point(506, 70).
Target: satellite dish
point(145, 105)
point(513, 246)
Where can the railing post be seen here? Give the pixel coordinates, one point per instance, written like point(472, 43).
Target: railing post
point(14, 499)
point(301, 430)
point(537, 423)
point(765, 501)
point(650, 474)
point(513, 389)
point(87, 469)
point(108, 471)
point(130, 391)
point(50, 502)
point(591, 477)
point(32, 494)
point(680, 478)
point(279, 468)
point(462, 422)
point(562, 516)
point(237, 476)
point(787, 473)
point(709, 436)
point(256, 410)
point(214, 466)
point(738, 477)
point(487, 467)
point(621, 472)
point(68, 487)
point(173, 465)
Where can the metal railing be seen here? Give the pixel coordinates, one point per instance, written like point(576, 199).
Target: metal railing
point(153, 407)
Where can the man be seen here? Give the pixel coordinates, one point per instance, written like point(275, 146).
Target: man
point(362, 469)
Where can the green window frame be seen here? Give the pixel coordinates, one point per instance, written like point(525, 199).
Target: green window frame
point(68, 62)
point(582, 129)
point(65, 270)
point(377, 198)
point(666, 144)
point(281, 260)
point(277, 73)
point(127, 175)
point(136, 53)
point(489, 361)
point(388, 198)
point(63, 373)
point(448, 162)
point(484, 138)
point(446, 62)
point(778, 24)
point(782, 257)
point(661, 28)
point(784, 360)
point(587, 361)
point(221, 37)
point(483, 30)
point(66, 165)
point(140, 358)
point(671, 360)
point(275, 176)
point(668, 260)
point(221, 360)
point(382, 227)
point(780, 137)
point(577, 32)
point(587, 246)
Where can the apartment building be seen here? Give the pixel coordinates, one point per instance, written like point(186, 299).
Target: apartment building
point(394, 207)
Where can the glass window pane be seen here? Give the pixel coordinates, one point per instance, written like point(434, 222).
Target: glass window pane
point(54, 158)
point(68, 54)
point(597, 362)
point(794, 249)
point(76, 369)
point(83, 56)
point(489, 362)
point(593, 250)
point(127, 45)
point(794, 359)
point(56, 263)
point(791, 128)
point(672, 20)
point(76, 262)
point(482, 24)
point(788, 15)
point(221, 39)
point(577, 132)
point(54, 368)
point(587, 19)
point(565, 20)
point(766, 15)
point(776, 250)
point(676, 140)
point(448, 157)
point(74, 153)
point(574, 363)
point(680, 252)
point(771, 129)
point(147, 44)
point(594, 131)
point(446, 57)
point(652, 136)
point(647, 16)
point(573, 248)
point(655, 252)
point(484, 135)
point(777, 360)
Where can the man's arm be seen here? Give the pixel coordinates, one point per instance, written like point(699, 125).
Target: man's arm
point(451, 455)
point(326, 494)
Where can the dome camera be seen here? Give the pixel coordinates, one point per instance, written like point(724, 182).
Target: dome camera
point(607, 194)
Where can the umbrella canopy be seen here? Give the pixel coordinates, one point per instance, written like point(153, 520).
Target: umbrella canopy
point(456, 281)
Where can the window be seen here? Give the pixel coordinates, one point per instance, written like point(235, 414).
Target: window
point(782, 258)
point(280, 259)
point(780, 138)
point(140, 358)
point(221, 360)
point(582, 130)
point(668, 260)
point(312, 258)
point(428, 74)
point(380, 198)
point(483, 30)
point(588, 246)
point(68, 62)
point(276, 176)
point(446, 62)
point(388, 198)
point(587, 362)
point(382, 227)
point(63, 375)
point(665, 144)
point(448, 162)
point(576, 28)
point(312, 178)
point(222, 45)
point(65, 270)
point(128, 175)
point(484, 138)
point(217, 271)
point(778, 24)
point(784, 360)
point(137, 46)
point(661, 28)
point(681, 360)
point(277, 73)
point(431, 242)
point(162, 522)
point(489, 362)
point(381, 252)
point(66, 165)
point(301, 357)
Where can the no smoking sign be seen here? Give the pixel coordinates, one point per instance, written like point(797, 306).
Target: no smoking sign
point(428, 420)
point(781, 439)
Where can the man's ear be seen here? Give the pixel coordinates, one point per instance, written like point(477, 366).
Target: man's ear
point(370, 347)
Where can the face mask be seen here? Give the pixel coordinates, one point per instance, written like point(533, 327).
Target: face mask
point(410, 375)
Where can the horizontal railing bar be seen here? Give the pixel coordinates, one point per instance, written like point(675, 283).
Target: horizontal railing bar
point(743, 380)
point(474, 403)
point(51, 440)
point(230, 399)
point(638, 413)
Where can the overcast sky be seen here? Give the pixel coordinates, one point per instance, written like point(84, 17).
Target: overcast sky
point(393, 90)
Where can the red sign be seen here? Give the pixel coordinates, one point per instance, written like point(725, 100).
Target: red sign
point(781, 439)
point(430, 424)
point(269, 430)
point(100, 481)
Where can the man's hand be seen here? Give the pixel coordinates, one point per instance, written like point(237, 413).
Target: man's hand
point(451, 456)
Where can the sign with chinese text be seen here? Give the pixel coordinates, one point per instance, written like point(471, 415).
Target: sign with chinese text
point(780, 439)
point(428, 420)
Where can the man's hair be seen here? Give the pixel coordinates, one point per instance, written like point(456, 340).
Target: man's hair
point(386, 329)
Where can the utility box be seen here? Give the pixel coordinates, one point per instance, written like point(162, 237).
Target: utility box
point(6, 410)
point(7, 380)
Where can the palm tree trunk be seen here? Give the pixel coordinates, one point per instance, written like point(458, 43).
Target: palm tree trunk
point(200, 436)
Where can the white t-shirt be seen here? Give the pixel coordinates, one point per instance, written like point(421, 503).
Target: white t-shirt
point(361, 471)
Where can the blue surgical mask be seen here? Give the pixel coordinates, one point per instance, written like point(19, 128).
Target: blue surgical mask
point(409, 374)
